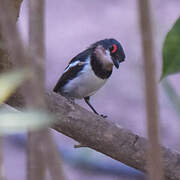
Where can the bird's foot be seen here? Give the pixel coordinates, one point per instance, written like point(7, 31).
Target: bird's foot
point(103, 116)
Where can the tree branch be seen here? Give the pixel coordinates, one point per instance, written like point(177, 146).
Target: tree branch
point(155, 169)
point(37, 46)
point(36, 168)
point(105, 136)
point(4, 65)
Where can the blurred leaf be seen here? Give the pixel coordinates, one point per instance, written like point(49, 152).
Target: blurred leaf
point(9, 82)
point(171, 51)
point(19, 122)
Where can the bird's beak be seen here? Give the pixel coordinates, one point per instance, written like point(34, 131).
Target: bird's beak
point(116, 63)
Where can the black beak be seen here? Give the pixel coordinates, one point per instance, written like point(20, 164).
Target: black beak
point(117, 60)
point(116, 63)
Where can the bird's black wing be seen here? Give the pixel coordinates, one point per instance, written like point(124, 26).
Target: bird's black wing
point(81, 56)
point(68, 75)
point(73, 71)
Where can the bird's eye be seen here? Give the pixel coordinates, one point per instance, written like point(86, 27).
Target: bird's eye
point(113, 49)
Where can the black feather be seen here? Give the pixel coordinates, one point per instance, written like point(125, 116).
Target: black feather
point(67, 76)
point(73, 71)
point(81, 56)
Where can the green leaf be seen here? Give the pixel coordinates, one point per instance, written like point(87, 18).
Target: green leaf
point(171, 51)
point(9, 82)
point(19, 122)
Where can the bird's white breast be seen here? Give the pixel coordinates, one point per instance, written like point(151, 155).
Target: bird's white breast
point(85, 84)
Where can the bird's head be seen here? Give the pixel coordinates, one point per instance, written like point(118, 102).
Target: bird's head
point(115, 49)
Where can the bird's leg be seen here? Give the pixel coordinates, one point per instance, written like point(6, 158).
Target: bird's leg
point(88, 103)
point(86, 99)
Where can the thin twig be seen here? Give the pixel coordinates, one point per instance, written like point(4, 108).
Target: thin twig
point(36, 163)
point(152, 109)
point(37, 47)
point(53, 157)
point(4, 64)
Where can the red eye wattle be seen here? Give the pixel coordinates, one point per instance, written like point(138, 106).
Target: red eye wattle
point(114, 48)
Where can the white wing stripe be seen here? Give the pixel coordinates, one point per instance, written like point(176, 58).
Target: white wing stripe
point(71, 65)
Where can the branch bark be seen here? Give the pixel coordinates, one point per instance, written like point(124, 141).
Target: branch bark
point(105, 136)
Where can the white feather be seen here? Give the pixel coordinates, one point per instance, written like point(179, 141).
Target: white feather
point(71, 65)
point(85, 84)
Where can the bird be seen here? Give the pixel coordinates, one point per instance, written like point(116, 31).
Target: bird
point(88, 71)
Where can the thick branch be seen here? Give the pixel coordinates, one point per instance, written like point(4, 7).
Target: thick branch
point(105, 136)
